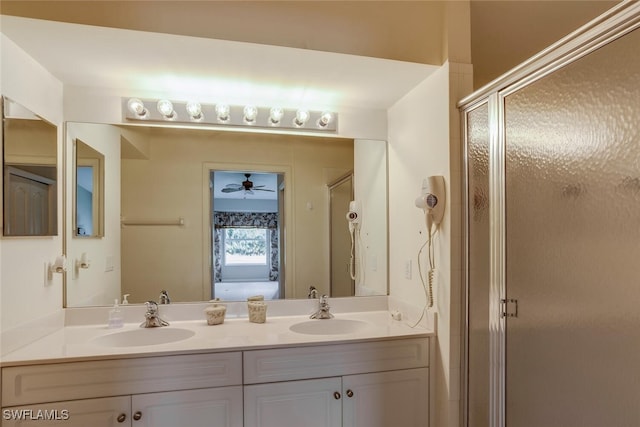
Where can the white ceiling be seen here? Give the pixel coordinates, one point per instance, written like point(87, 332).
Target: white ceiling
point(137, 63)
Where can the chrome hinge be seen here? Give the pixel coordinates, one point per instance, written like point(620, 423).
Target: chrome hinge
point(508, 308)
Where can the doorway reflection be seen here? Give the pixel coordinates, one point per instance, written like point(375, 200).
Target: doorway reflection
point(246, 227)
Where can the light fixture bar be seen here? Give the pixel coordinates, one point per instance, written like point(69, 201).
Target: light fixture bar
point(220, 114)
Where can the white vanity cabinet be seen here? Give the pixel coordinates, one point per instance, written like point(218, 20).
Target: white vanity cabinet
point(372, 384)
point(382, 399)
point(378, 383)
point(194, 390)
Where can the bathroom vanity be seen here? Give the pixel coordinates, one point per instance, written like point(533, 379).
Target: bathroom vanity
point(372, 373)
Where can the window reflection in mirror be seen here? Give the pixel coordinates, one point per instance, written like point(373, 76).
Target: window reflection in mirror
point(29, 173)
point(89, 191)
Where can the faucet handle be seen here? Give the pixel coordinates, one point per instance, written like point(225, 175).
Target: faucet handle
point(152, 307)
point(324, 299)
point(313, 292)
point(164, 297)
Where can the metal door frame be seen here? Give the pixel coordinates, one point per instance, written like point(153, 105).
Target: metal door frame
point(615, 23)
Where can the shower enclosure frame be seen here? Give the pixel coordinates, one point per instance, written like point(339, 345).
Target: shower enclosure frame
point(617, 22)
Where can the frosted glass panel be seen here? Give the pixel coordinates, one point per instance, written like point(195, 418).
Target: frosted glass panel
point(573, 243)
point(479, 262)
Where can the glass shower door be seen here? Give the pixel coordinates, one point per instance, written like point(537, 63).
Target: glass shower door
point(478, 247)
point(573, 243)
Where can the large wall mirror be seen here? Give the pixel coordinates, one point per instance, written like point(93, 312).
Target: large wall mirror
point(29, 173)
point(206, 214)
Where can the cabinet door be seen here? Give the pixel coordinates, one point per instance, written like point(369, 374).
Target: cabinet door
point(107, 412)
point(310, 403)
point(209, 407)
point(394, 398)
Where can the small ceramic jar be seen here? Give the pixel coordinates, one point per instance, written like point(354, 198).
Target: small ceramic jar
point(257, 311)
point(215, 314)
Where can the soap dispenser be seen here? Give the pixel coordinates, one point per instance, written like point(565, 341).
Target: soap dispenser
point(116, 320)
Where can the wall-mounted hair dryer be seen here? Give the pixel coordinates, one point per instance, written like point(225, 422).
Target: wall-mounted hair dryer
point(432, 200)
point(354, 214)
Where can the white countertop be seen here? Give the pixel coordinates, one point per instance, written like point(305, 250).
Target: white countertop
point(75, 343)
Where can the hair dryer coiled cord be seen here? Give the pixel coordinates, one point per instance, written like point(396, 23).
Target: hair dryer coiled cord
point(427, 285)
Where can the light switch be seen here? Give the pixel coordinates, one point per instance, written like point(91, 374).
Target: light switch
point(407, 269)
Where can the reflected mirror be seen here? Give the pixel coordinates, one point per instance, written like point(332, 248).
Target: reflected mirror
point(203, 213)
point(89, 183)
point(29, 173)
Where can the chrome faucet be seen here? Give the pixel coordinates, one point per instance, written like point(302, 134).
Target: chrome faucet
point(164, 297)
point(323, 309)
point(152, 320)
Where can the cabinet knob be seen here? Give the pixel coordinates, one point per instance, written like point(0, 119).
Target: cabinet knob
point(121, 418)
point(336, 395)
point(350, 393)
point(137, 415)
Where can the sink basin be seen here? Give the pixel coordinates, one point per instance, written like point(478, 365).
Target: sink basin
point(328, 327)
point(144, 336)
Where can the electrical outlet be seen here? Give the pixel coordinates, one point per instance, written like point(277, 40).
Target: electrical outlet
point(407, 269)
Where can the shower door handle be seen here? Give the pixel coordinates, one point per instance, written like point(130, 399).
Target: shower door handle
point(509, 308)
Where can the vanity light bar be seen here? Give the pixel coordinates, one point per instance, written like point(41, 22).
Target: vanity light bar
point(192, 112)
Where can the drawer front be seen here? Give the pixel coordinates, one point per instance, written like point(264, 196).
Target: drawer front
point(108, 412)
point(23, 385)
point(263, 366)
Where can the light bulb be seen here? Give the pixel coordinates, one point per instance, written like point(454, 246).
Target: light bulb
point(325, 119)
point(194, 110)
point(222, 112)
point(250, 114)
point(301, 118)
point(165, 107)
point(136, 106)
point(275, 115)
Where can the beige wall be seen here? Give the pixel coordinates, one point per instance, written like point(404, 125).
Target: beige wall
point(25, 293)
point(506, 33)
point(172, 184)
point(30, 142)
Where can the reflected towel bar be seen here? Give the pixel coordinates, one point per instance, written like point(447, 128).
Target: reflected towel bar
point(179, 222)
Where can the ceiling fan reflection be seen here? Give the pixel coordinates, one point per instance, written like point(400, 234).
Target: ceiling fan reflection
point(246, 186)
